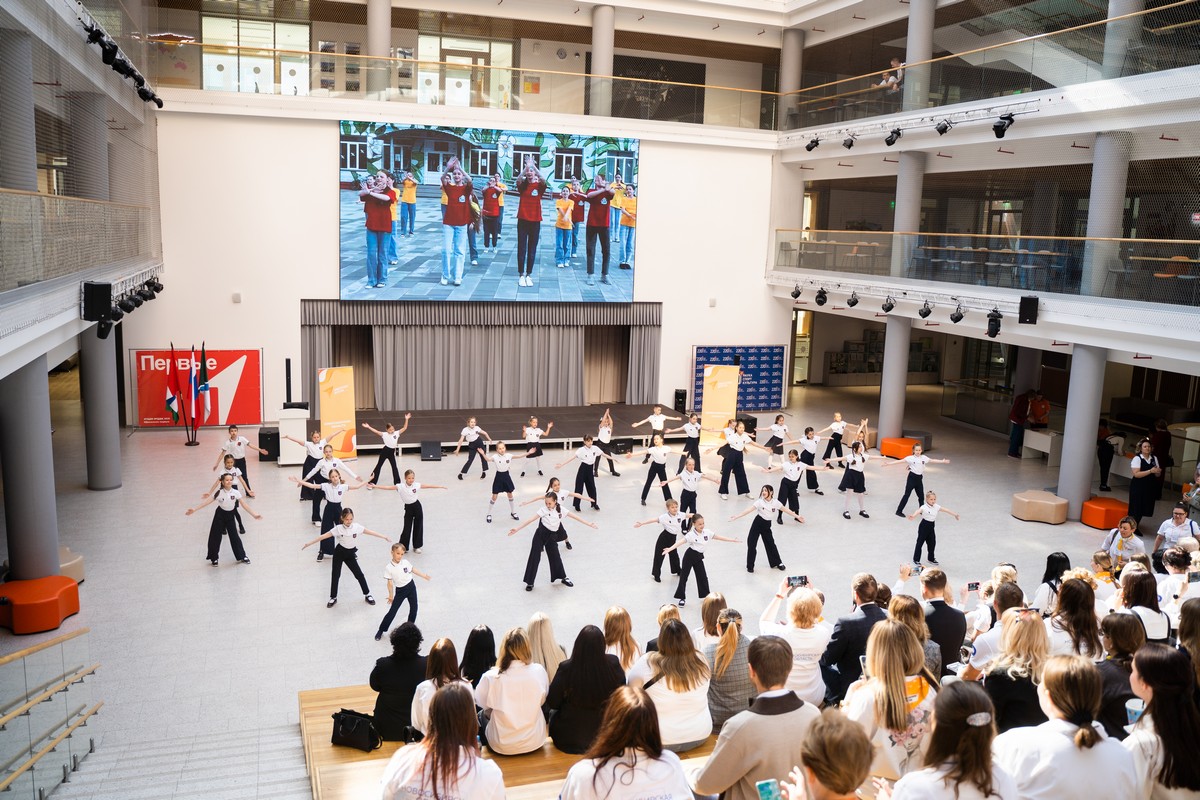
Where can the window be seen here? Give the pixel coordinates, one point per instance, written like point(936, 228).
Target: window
point(568, 163)
point(397, 157)
point(354, 152)
point(435, 162)
point(483, 162)
point(622, 161)
point(519, 153)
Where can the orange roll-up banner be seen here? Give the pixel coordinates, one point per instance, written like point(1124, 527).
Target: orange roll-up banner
point(336, 387)
point(720, 400)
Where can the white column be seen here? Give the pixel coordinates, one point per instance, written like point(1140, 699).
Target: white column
point(379, 44)
point(18, 132)
point(1120, 36)
point(910, 185)
point(920, 48)
point(604, 22)
point(894, 377)
point(1028, 372)
point(791, 65)
point(1079, 430)
point(101, 426)
point(87, 146)
point(1106, 209)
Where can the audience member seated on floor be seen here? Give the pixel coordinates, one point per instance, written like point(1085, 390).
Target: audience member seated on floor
point(583, 684)
point(805, 632)
point(544, 648)
point(1163, 742)
point(710, 607)
point(729, 688)
point(894, 703)
point(1013, 676)
point(618, 637)
point(906, 609)
point(665, 612)
point(1073, 627)
point(1139, 595)
point(446, 764)
point(628, 759)
point(510, 697)
point(1122, 636)
point(958, 760)
point(840, 665)
point(1069, 755)
point(479, 654)
point(764, 741)
point(396, 677)
point(676, 678)
point(986, 646)
point(835, 760)
point(441, 669)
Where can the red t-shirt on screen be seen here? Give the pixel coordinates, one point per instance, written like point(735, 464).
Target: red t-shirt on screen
point(379, 213)
point(597, 215)
point(578, 211)
point(491, 202)
point(458, 208)
point(530, 208)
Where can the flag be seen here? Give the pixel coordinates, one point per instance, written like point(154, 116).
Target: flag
point(192, 383)
point(172, 392)
point(202, 386)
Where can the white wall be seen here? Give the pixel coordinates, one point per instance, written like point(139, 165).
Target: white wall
point(249, 205)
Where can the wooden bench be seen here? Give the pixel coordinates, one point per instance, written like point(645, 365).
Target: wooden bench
point(343, 772)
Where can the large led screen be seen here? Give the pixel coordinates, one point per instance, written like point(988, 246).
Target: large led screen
point(440, 213)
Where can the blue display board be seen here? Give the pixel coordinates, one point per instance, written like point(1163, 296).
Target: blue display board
point(762, 385)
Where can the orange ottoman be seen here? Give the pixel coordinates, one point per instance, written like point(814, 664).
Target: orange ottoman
point(38, 605)
point(1103, 512)
point(898, 447)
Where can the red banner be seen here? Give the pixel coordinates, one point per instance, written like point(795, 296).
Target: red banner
point(234, 380)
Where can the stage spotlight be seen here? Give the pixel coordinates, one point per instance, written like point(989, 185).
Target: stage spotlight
point(1001, 126)
point(852, 300)
point(994, 317)
point(146, 93)
point(133, 298)
point(123, 67)
point(943, 127)
point(145, 294)
point(924, 311)
point(822, 297)
point(95, 33)
point(103, 328)
point(796, 292)
point(126, 305)
point(115, 313)
point(848, 142)
point(888, 305)
point(157, 101)
point(957, 316)
point(813, 145)
point(108, 50)
point(154, 286)
point(893, 137)
point(138, 80)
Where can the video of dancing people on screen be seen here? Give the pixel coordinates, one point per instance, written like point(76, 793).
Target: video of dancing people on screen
point(440, 213)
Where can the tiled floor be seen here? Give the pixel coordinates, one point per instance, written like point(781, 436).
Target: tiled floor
point(201, 666)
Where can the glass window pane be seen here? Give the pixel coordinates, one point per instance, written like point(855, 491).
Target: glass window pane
point(216, 30)
point(252, 33)
point(291, 37)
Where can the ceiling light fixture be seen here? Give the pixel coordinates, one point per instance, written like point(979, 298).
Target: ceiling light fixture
point(924, 311)
point(1001, 126)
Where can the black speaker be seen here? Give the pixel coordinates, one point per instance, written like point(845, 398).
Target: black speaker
point(751, 423)
point(1027, 314)
point(97, 300)
point(268, 439)
point(622, 447)
point(301, 404)
point(681, 400)
point(431, 451)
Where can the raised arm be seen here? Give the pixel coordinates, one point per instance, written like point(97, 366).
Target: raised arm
point(568, 461)
point(307, 545)
point(639, 422)
point(305, 483)
point(522, 526)
point(579, 519)
point(770, 614)
point(642, 522)
point(249, 510)
point(951, 513)
point(736, 517)
point(372, 430)
point(191, 511)
point(719, 538)
point(376, 534)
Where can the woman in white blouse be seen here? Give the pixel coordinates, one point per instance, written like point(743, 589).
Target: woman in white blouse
point(618, 637)
point(1073, 628)
point(1163, 742)
point(807, 635)
point(676, 677)
point(510, 695)
point(441, 669)
point(1139, 595)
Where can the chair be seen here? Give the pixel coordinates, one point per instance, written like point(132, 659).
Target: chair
point(1118, 273)
point(1003, 259)
point(860, 252)
point(788, 256)
point(1178, 268)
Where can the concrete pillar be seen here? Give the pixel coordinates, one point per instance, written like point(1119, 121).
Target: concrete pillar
point(1028, 371)
point(18, 132)
point(101, 427)
point(604, 28)
point(1079, 430)
point(910, 185)
point(1043, 212)
point(791, 65)
point(1120, 36)
point(920, 48)
point(1106, 210)
point(27, 452)
point(87, 146)
point(379, 44)
point(894, 377)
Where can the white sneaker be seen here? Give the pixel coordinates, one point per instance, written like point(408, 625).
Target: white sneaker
point(458, 283)
point(521, 280)
point(445, 282)
point(474, 262)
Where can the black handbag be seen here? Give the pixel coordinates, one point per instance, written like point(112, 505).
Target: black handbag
point(355, 729)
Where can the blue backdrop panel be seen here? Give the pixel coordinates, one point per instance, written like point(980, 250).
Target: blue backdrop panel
point(762, 387)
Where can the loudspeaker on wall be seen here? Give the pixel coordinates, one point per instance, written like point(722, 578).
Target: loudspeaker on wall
point(1027, 314)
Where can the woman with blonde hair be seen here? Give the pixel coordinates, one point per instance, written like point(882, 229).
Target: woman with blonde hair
point(543, 647)
point(729, 690)
point(676, 677)
point(1012, 678)
point(665, 612)
point(807, 635)
point(618, 637)
point(907, 609)
point(893, 704)
point(510, 696)
point(1069, 755)
point(446, 764)
point(710, 607)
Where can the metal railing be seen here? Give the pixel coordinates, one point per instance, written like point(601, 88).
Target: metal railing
point(46, 700)
point(46, 236)
point(1154, 270)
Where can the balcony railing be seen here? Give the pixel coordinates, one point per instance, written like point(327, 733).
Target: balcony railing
point(1154, 270)
point(1133, 44)
point(1148, 41)
point(48, 236)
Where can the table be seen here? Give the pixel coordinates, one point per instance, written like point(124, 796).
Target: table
point(1184, 270)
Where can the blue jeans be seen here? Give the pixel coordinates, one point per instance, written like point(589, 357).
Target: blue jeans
point(391, 241)
point(575, 237)
point(408, 216)
point(614, 223)
point(471, 242)
point(406, 592)
point(562, 245)
point(628, 237)
point(377, 266)
point(454, 252)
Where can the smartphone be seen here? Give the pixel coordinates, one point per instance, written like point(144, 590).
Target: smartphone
point(797, 580)
point(768, 790)
point(918, 569)
point(1194, 577)
point(862, 665)
point(973, 586)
